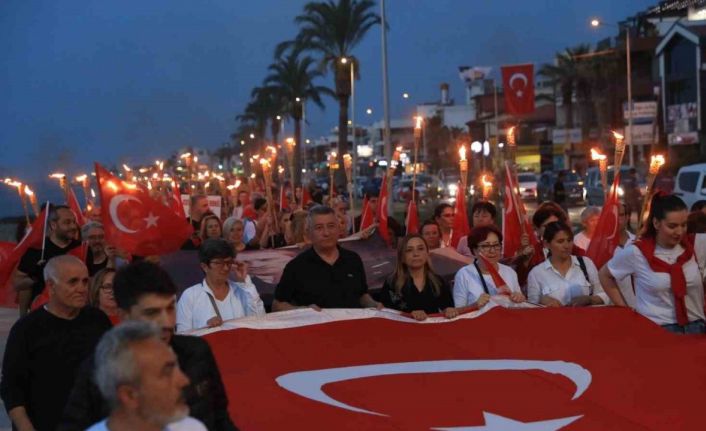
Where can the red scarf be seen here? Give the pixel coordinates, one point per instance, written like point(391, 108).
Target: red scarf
point(675, 271)
point(500, 285)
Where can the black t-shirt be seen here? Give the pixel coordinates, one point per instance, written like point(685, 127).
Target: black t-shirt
point(42, 355)
point(307, 279)
point(411, 299)
point(30, 262)
point(93, 268)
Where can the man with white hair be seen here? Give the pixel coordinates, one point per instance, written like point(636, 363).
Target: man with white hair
point(46, 347)
point(139, 376)
point(589, 221)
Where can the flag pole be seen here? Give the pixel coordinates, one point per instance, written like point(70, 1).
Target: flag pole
point(44, 233)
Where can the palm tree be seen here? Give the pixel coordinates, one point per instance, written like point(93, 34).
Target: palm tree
point(332, 30)
point(291, 81)
point(258, 112)
point(565, 77)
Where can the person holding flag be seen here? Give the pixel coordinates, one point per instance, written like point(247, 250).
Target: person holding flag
point(563, 278)
point(669, 288)
point(60, 240)
point(414, 287)
point(485, 277)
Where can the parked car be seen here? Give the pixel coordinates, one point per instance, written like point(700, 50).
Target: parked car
point(690, 184)
point(428, 187)
point(595, 195)
point(573, 183)
point(527, 182)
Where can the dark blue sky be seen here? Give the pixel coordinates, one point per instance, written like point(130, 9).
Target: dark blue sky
point(130, 81)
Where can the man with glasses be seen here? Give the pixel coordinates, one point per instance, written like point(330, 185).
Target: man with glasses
point(218, 298)
point(99, 255)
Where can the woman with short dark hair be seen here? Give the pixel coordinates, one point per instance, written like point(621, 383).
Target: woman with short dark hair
point(414, 287)
point(563, 278)
point(485, 276)
point(669, 286)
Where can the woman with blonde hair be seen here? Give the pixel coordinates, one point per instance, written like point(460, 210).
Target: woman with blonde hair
point(414, 287)
point(101, 294)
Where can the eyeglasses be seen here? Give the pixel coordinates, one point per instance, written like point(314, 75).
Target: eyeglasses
point(107, 287)
point(489, 247)
point(222, 263)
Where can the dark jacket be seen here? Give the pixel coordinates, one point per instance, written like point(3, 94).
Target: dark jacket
point(206, 395)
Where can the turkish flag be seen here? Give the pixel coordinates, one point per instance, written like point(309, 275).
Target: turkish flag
point(137, 223)
point(501, 370)
point(366, 215)
point(10, 255)
point(306, 197)
point(412, 218)
point(606, 238)
point(514, 218)
point(460, 227)
point(175, 202)
point(75, 207)
point(518, 86)
point(382, 212)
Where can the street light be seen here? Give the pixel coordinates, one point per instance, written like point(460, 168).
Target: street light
point(405, 95)
point(344, 60)
point(595, 23)
point(369, 111)
point(252, 136)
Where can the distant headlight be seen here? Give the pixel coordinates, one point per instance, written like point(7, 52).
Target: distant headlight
point(472, 190)
point(453, 188)
point(621, 192)
point(522, 189)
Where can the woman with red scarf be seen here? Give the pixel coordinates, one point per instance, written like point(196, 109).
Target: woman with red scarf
point(668, 284)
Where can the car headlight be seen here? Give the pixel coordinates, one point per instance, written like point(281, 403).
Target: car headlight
point(522, 189)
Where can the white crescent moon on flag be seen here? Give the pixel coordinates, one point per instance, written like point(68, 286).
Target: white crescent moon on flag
point(520, 76)
point(113, 211)
point(308, 384)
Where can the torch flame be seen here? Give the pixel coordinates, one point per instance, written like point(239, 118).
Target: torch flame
point(126, 167)
point(57, 175)
point(237, 183)
point(596, 155)
point(462, 152)
point(419, 119)
point(618, 136)
point(272, 150)
point(656, 162)
point(28, 191)
point(81, 178)
point(485, 181)
point(185, 156)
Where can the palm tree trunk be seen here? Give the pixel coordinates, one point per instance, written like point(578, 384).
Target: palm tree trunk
point(342, 138)
point(299, 154)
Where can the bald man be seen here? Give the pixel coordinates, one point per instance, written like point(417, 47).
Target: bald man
point(45, 348)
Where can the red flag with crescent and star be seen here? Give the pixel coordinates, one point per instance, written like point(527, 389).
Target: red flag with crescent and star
point(606, 237)
point(382, 212)
point(137, 223)
point(514, 216)
point(518, 86)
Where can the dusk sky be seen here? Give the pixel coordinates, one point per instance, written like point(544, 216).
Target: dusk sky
point(132, 81)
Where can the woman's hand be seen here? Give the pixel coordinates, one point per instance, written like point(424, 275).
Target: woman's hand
point(517, 297)
point(581, 301)
point(240, 271)
point(450, 312)
point(549, 301)
point(419, 315)
point(482, 300)
point(214, 321)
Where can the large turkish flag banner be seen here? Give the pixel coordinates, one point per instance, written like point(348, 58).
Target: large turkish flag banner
point(583, 369)
point(518, 86)
point(137, 223)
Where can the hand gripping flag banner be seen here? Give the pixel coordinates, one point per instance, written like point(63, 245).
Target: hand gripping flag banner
point(606, 237)
point(518, 86)
point(137, 223)
point(600, 368)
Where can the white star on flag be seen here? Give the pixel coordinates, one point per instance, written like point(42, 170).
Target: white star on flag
point(151, 220)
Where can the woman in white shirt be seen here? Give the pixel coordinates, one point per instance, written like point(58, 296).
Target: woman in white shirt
point(563, 279)
point(475, 283)
point(669, 286)
point(589, 221)
point(217, 298)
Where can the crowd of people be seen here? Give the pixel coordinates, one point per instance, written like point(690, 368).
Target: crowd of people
point(65, 368)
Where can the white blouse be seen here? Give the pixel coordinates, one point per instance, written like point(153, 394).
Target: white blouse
point(195, 309)
point(653, 292)
point(468, 286)
point(545, 280)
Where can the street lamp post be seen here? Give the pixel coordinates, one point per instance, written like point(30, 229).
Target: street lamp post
point(631, 151)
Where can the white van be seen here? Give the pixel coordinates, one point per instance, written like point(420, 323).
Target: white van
point(690, 184)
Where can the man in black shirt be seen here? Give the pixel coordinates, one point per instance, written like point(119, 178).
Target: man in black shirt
point(145, 292)
point(61, 239)
point(392, 225)
point(326, 275)
point(99, 254)
point(46, 347)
